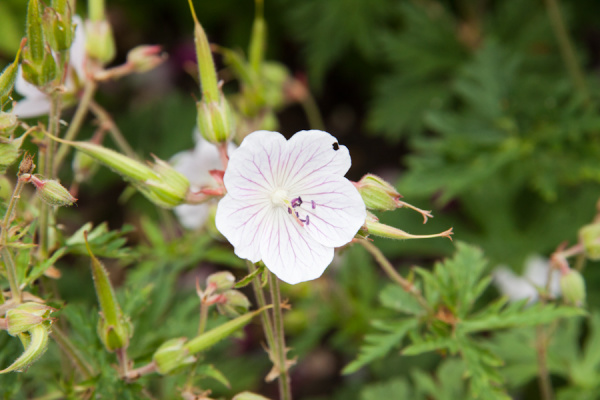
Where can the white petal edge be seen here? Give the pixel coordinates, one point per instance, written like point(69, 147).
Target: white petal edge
point(289, 252)
point(31, 107)
point(192, 216)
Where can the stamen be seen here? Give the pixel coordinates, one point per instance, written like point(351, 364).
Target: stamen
point(289, 210)
point(312, 202)
point(307, 220)
point(297, 202)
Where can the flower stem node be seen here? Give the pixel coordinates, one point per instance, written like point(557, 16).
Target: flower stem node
point(171, 356)
point(26, 316)
point(378, 194)
point(589, 235)
point(572, 286)
point(51, 191)
point(215, 120)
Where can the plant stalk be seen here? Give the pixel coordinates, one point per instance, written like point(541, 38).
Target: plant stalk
point(285, 391)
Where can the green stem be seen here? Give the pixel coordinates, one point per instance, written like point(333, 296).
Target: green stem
point(88, 93)
point(391, 272)
point(72, 353)
point(9, 264)
point(543, 375)
point(309, 105)
point(566, 47)
point(203, 317)
point(285, 391)
point(265, 317)
point(113, 129)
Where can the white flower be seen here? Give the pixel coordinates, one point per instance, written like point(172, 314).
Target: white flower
point(527, 287)
point(195, 164)
point(288, 203)
point(35, 102)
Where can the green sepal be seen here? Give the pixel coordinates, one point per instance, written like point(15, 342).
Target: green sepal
point(36, 345)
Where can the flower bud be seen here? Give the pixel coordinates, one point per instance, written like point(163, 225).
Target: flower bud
point(7, 81)
point(172, 355)
point(52, 192)
point(100, 42)
point(114, 336)
point(374, 227)
point(58, 25)
point(144, 58)
point(216, 121)
point(35, 35)
point(26, 316)
point(35, 348)
point(572, 286)
point(220, 281)
point(249, 396)
point(589, 235)
point(377, 194)
point(235, 304)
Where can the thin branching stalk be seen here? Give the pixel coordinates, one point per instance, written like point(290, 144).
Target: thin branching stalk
point(543, 375)
point(72, 353)
point(566, 47)
point(260, 299)
point(391, 272)
point(84, 104)
point(115, 133)
point(311, 110)
point(203, 317)
point(285, 391)
point(123, 361)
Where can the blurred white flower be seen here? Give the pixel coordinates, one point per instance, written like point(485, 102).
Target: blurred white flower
point(195, 164)
point(527, 286)
point(35, 102)
point(288, 202)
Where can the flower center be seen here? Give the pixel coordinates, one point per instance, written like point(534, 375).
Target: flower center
point(279, 198)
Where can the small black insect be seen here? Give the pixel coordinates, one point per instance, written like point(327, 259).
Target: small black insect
point(336, 146)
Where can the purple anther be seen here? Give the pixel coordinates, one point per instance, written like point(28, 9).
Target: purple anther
point(289, 210)
point(297, 202)
point(314, 205)
point(297, 215)
point(307, 220)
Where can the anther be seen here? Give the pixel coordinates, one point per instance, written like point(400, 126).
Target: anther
point(307, 220)
point(289, 210)
point(312, 202)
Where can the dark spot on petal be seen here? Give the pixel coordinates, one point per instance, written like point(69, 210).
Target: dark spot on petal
point(336, 146)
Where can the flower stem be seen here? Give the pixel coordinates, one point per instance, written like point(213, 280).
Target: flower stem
point(309, 105)
point(388, 268)
point(285, 392)
point(566, 46)
point(203, 317)
point(262, 303)
point(9, 264)
point(88, 93)
point(543, 374)
point(72, 353)
point(134, 374)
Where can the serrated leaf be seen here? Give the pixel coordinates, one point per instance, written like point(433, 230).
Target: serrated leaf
point(210, 371)
point(377, 345)
point(430, 345)
point(394, 389)
point(396, 298)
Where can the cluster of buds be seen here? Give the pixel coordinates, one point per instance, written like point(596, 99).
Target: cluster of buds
point(215, 117)
point(31, 322)
point(219, 291)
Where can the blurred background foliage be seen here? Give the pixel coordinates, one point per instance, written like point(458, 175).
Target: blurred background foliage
point(470, 106)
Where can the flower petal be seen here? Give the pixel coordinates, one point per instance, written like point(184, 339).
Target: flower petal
point(77, 51)
point(252, 171)
point(339, 210)
point(311, 152)
point(30, 107)
point(289, 252)
point(243, 225)
point(192, 216)
point(27, 89)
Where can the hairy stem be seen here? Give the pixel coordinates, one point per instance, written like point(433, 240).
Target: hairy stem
point(84, 104)
point(285, 391)
point(543, 375)
point(9, 264)
point(388, 268)
point(72, 353)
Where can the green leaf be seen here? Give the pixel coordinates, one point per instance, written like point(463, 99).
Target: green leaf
point(396, 298)
point(377, 345)
point(210, 371)
point(245, 281)
point(102, 242)
point(394, 389)
point(430, 345)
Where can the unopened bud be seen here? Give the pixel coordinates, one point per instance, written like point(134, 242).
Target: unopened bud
point(235, 303)
point(377, 194)
point(220, 281)
point(37, 346)
point(572, 286)
point(58, 25)
point(35, 35)
point(172, 355)
point(216, 120)
point(52, 192)
point(589, 235)
point(100, 42)
point(144, 58)
point(249, 396)
point(40, 74)
point(378, 229)
point(26, 316)
point(114, 336)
